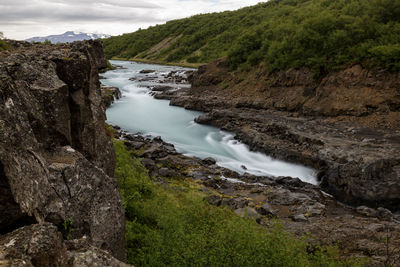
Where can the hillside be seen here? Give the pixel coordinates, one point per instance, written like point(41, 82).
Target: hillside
point(320, 34)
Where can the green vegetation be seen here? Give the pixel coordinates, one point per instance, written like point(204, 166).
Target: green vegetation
point(3, 45)
point(171, 225)
point(68, 228)
point(319, 34)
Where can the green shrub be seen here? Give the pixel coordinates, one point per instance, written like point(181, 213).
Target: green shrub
point(171, 225)
point(3, 45)
point(319, 34)
point(390, 54)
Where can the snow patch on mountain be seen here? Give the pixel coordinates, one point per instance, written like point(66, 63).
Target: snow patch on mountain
point(68, 37)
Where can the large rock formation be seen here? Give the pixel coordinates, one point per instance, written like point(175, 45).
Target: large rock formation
point(56, 160)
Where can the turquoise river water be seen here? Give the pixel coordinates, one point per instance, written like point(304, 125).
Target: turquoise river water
point(138, 111)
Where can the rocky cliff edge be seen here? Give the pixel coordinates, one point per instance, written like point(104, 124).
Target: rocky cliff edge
point(56, 160)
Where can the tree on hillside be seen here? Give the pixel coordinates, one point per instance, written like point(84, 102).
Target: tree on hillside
point(1, 35)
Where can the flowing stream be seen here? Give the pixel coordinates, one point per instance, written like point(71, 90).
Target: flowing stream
point(138, 111)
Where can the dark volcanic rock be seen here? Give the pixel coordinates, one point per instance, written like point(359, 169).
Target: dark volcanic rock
point(56, 161)
point(147, 71)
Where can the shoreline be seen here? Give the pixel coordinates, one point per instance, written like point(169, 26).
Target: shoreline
point(154, 62)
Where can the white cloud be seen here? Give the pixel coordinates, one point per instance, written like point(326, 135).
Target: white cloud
point(21, 19)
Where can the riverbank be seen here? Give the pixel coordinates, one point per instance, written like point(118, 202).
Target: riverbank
point(300, 207)
point(159, 62)
point(358, 161)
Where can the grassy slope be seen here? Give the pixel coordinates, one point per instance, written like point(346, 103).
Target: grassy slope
point(320, 34)
point(171, 225)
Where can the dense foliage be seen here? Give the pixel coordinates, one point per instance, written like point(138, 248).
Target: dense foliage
point(320, 34)
point(171, 225)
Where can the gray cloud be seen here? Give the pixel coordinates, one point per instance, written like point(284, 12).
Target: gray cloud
point(21, 19)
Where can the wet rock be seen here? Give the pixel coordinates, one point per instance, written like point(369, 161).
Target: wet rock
point(148, 79)
point(147, 71)
point(209, 161)
point(160, 88)
point(158, 139)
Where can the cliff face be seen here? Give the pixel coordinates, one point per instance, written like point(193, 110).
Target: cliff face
point(56, 161)
point(368, 98)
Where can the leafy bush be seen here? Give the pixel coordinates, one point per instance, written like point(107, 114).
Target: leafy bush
point(171, 225)
point(319, 34)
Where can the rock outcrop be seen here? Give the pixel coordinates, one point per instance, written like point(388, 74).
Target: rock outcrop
point(109, 95)
point(345, 124)
point(56, 160)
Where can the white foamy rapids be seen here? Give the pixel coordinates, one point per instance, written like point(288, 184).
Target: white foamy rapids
point(243, 160)
point(137, 111)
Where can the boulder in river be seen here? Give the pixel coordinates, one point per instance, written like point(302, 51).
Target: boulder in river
point(147, 71)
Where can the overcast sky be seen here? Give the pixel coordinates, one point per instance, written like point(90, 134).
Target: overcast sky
point(22, 19)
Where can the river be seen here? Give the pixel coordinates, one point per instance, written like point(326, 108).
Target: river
point(138, 111)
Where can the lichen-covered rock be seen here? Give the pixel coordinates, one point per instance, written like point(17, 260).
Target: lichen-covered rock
point(56, 161)
point(35, 245)
point(43, 245)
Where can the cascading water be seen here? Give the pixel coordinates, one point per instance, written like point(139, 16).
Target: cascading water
point(138, 111)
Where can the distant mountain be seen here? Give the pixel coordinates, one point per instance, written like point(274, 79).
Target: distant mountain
point(68, 37)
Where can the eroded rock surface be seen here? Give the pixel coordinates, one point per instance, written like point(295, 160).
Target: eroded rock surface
point(56, 161)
